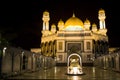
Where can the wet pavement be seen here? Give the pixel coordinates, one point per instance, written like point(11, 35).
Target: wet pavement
point(90, 73)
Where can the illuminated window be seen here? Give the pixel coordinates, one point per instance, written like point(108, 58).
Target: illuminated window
point(88, 45)
point(60, 45)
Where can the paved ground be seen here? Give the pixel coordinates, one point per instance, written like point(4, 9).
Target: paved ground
point(91, 73)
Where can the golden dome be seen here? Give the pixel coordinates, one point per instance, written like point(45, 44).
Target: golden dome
point(73, 23)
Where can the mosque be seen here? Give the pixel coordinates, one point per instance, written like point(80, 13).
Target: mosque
point(74, 36)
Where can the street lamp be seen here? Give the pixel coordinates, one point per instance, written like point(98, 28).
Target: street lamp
point(4, 49)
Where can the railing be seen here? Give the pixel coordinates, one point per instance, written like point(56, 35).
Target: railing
point(47, 62)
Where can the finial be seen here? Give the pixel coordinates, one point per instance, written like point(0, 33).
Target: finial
point(73, 15)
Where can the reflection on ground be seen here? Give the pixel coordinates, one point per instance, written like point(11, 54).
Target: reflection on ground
point(91, 73)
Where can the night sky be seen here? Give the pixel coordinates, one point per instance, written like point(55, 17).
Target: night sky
point(21, 21)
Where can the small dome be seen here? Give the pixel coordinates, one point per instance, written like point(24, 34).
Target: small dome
point(45, 12)
point(94, 27)
point(101, 11)
point(60, 22)
point(87, 21)
point(73, 23)
point(53, 26)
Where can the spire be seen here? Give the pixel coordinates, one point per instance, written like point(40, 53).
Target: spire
point(73, 14)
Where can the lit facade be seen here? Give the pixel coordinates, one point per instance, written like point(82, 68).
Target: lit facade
point(74, 36)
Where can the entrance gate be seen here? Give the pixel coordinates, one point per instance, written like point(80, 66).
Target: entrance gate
point(74, 64)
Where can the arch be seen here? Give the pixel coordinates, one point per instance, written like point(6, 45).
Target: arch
point(54, 48)
point(74, 64)
point(75, 55)
point(25, 62)
point(113, 62)
point(42, 48)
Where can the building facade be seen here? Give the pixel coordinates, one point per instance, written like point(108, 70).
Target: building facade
point(74, 36)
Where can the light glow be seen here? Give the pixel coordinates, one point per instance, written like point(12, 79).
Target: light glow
point(74, 64)
point(4, 49)
point(75, 70)
point(73, 28)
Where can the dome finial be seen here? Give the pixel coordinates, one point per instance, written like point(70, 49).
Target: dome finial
point(73, 14)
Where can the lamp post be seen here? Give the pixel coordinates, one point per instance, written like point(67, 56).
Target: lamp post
point(2, 54)
point(4, 49)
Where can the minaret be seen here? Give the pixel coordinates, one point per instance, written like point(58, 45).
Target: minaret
point(53, 28)
point(101, 17)
point(46, 19)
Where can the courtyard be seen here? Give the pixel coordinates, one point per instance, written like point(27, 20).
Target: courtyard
point(59, 72)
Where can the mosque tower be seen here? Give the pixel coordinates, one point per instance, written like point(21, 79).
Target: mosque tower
point(102, 17)
point(87, 24)
point(53, 28)
point(45, 19)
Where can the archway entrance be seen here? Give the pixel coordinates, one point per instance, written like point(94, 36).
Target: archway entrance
point(74, 64)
